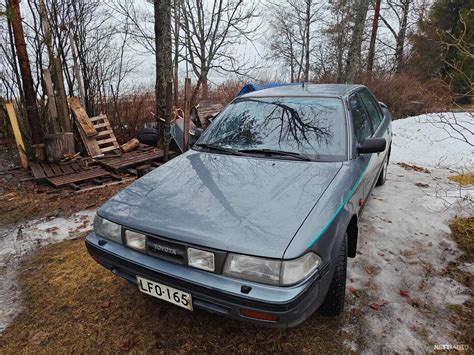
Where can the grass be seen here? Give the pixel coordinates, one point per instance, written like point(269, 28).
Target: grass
point(28, 202)
point(463, 233)
point(462, 230)
point(463, 179)
point(71, 304)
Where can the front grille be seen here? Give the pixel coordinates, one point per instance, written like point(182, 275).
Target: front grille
point(166, 250)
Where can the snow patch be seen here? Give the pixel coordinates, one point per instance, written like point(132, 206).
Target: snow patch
point(20, 239)
point(435, 140)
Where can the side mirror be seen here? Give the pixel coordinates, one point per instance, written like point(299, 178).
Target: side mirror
point(372, 145)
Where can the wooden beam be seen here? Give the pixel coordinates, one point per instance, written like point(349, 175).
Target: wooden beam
point(187, 109)
point(53, 111)
point(17, 133)
point(81, 117)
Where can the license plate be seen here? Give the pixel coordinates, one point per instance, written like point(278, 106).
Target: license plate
point(165, 293)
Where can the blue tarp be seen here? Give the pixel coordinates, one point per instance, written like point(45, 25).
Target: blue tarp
point(255, 87)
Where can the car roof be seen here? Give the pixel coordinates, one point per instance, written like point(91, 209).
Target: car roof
point(330, 90)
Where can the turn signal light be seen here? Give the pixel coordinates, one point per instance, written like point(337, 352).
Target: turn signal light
point(259, 315)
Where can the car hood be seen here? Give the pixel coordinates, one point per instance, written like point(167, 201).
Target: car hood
point(235, 203)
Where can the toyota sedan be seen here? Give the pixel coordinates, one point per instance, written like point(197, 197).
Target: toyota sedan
point(257, 220)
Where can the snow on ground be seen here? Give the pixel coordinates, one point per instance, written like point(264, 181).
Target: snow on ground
point(436, 139)
point(26, 237)
point(404, 243)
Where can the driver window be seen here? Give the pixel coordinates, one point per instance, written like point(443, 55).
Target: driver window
point(362, 125)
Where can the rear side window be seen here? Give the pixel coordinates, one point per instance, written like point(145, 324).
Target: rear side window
point(372, 108)
point(362, 125)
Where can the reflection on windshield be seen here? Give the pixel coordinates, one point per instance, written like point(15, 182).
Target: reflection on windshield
point(311, 126)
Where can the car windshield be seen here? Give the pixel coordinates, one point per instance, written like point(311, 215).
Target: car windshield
point(313, 127)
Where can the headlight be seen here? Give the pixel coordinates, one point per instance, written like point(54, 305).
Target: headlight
point(201, 259)
point(271, 271)
point(253, 269)
point(135, 240)
point(107, 229)
point(293, 271)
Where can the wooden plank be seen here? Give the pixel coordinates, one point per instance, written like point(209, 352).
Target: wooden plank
point(66, 168)
point(76, 167)
point(17, 133)
point(81, 117)
point(38, 172)
point(56, 169)
point(100, 125)
point(106, 140)
point(90, 143)
point(131, 159)
point(104, 133)
point(47, 169)
point(77, 177)
point(108, 149)
point(98, 118)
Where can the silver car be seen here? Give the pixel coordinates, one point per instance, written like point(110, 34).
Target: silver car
point(257, 220)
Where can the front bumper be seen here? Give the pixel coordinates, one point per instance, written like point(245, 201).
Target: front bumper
point(213, 292)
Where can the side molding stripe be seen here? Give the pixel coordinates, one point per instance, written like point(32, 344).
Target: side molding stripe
point(327, 225)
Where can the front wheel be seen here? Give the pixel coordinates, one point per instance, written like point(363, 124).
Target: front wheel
point(383, 173)
point(333, 304)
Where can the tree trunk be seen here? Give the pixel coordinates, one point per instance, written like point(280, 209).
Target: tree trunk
point(176, 50)
point(25, 71)
point(373, 37)
point(399, 50)
point(353, 57)
point(164, 66)
point(205, 86)
point(307, 37)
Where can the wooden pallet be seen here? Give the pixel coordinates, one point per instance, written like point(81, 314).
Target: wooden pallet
point(105, 137)
point(86, 174)
point(133, 158)
point(65, 173)
point(43, 170)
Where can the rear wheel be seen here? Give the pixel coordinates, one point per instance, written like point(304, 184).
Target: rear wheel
point(333, 304)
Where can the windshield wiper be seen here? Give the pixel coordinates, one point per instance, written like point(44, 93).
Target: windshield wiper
point(271, 152)
point(219, 148)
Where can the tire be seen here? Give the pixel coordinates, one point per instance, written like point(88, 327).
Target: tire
point(333, 304)
point(148, 136)
point(383, 174)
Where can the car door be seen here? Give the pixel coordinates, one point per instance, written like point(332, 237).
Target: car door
point(376, 116)
point(363, 129)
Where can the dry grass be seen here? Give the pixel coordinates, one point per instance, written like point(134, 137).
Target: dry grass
point(463, 315)
point(71, 304)
point(463, 179)
point(31, 202)
point(463, 233)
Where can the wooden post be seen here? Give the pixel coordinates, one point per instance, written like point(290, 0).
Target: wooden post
point(166, 131)
point(61, 98)
point(53, 111)
point(17, 133)
point(187, 109)
point(77, 70)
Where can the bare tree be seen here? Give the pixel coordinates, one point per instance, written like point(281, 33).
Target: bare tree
point(401, 10)
point(211, 33)
point(292, 33)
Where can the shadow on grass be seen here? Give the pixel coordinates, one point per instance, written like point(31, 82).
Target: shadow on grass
point(73, 304)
